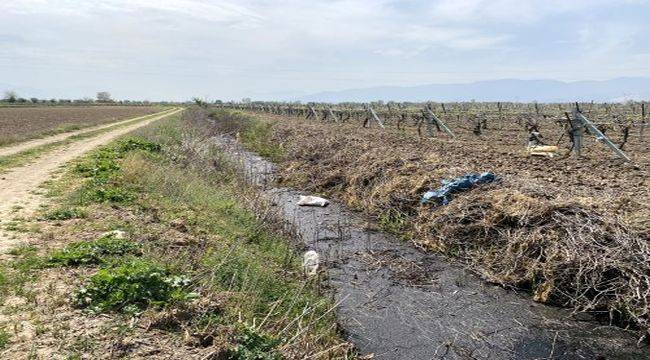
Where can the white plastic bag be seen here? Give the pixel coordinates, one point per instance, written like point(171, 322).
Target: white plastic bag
point(310, 263)
point(312, 201)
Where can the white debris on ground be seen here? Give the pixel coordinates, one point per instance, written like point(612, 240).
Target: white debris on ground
point(543, 150)
point(312, 201)
point(115, 234)
point(310, 262)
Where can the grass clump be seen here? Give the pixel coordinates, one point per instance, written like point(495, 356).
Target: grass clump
point(253, 345)
point(92, 252)
point(256, 135)
point(102, 170)
point(132, 287)
point(259, 138)
point(4, 338)
point(65, 214)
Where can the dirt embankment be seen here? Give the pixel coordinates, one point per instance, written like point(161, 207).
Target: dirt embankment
point(573, 231)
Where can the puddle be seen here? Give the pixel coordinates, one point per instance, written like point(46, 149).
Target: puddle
point(398, 302)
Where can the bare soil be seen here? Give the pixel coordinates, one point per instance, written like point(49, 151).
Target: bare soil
point(21, 123)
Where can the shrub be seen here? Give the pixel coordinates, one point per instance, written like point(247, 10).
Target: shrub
point(132, 287)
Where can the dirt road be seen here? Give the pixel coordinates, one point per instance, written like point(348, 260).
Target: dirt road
point(18, 197)
point(26, 145)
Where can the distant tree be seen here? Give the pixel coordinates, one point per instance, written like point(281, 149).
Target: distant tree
point(21, 100)
point(246, 100)
point(34, 100)
point(10, 96)
point(200, 102)
point(53, 101)
point(104, 96)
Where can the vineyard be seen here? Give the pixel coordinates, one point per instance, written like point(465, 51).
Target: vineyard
point(571, 227)
point(625, 124)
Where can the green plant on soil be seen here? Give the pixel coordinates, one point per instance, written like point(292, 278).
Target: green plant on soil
point(92, 252)
point(102, 171)
point(65, 213)
point(252, 345)
point(132, 287)
point(4, 338)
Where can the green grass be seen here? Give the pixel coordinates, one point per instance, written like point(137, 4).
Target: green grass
point(65, 213)
point(131, 287)
point(251, 345)
point(258, 138)
point(4, 338)
point(92, 252)
point(254, 134)
point(23, 270)
point(102, 169)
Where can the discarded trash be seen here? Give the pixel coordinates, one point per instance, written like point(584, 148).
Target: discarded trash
point(310, 262)
point(115, 234)
point(312, 201)
point(543, 150)
point(443, 194)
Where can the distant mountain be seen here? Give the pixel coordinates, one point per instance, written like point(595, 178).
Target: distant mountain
point(513, 90)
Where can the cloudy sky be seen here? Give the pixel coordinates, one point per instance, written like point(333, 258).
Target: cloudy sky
point(226, 49)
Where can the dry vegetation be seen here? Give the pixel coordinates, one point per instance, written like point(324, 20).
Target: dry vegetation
point(21, 123)
point(574, 231)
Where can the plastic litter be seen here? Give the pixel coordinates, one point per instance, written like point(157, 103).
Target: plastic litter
point(442, 195)
point(310, 263)
point(115, 234)
point(312, 201)
point(543, 150)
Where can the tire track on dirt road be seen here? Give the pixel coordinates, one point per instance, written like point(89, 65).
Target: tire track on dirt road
point(18, 185)
point(30, 144)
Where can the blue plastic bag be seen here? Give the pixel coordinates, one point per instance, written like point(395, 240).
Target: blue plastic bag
point(443, 194)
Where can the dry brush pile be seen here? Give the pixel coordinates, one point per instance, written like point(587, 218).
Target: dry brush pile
point(572, 231)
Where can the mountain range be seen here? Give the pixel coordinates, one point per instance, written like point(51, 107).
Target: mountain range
point(510, 90)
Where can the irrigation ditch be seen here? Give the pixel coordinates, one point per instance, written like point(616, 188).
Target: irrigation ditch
point(397, 302)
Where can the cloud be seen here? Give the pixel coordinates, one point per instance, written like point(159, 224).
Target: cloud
point(214, 11)
point(245, 47)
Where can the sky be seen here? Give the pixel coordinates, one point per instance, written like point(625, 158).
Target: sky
point(276, 50)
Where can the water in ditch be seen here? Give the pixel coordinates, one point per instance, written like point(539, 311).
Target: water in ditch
point(397, 302)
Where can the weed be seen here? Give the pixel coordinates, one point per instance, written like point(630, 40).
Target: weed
point(258, 138)
point(4, 338)
point(252, 345)
point(254, 134)
point(102, 169)
point(92, 252)
point(394, 222)
point(65, 214)
point(132, 287)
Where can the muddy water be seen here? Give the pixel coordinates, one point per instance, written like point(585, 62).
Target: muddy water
point(397, 302)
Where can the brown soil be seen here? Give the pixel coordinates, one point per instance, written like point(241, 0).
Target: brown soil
point(20, 123)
